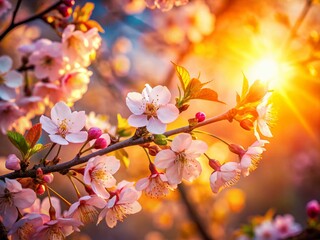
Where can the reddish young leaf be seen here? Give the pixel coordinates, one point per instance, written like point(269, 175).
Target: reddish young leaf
point(34, 134)
point(208, 94)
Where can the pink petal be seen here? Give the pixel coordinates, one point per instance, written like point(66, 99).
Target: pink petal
point(229, 166)
point(191, 170)
point(11, 215)
point(102, 214)
point(58, 139)
point(7, 93)
point(156, 126)
point(132, 208)
point(25, 198)
point(135, 103)
point(215, 182)
point(59, 112)
point(128, 196)
point(78, 120)
point(196, 148)
point(174, 173)
point(142, 184)
point(168, 113)
point(5, 64)
point(160, 95)
point(13, 185)
point(165, 159)
point(100, 190)
point(181, 142)
point(48, 125)
point(111, 218)
point(264, 128)
point(78, 137)
point(97, 202)
point(137, 120)
point(13, 79)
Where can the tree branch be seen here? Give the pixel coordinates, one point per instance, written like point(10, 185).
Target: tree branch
point(126, 143)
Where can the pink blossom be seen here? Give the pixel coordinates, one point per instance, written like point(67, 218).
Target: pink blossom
point(47, 61)
point(313, 209)
point(13, 162)
point(65, 126)
point(122, 202)
point(5, 5)
point(98, 174)
point(43, 207)
point(25, 227)
point(225, 176)
point(102, 142)
point(266, 231)
point(9, 113)
point(84, 209)
point(101, 121)
point(13, 196)
point(265, 118)
point(9, 80)
point(286, 226)
point(151, 109)
point(50, 92)
point(180, 161)
point(31, 106)
point(156, 185)
point(57, 229)
point(250, 158)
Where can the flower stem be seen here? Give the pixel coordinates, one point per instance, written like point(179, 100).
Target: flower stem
point(147, 155)
point(45, 157)
point(56, 193)
point(211, 135)
point(74, 186)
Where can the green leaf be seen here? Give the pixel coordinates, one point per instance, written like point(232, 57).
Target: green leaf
point(208, 94)
point(160, 139)
point(37, 148)
point(18, 141)
point(122, 155)
point(34, 134)
point(183, 75)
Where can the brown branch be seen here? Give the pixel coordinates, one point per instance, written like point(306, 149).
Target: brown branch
point(62, 167)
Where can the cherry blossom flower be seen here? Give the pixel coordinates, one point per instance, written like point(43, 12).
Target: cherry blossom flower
point(9, 113)
point(180, 161)
point(9, 80)
point(98, 174)
point(84, 209)
point(5, 5)
point(43, 207)
point(224, 176)
point(265, 118)
point(25, 227)
point(156, 185)
point(13, 196)
point(57, 229)
point(250, 158)
point(151, 109)
point(101, 121)
point(165, 5)
point(122, 202)
point(47, 61)
point(50, 92)
point(286, 226)
point(313, 209)
point(31, 106)
point(13, 162)
point(266, 231)
point(65, 126)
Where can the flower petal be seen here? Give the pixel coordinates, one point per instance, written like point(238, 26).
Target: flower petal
point(78, 120)
point(111, 218)
point(135, 103)
point(165, 159)
point(174, 173)
point(48, 125)
point(58, 139)
point(181, 142)
point(160, 95)
point(142, 184)
point(196, 148)
point(156, 126)
point(59, 112)
point(137, 120)
point(11, 215)
point(78, 137)
point(13, 79)
point(7, 93)
point(191, 170)
point(25, 198)
point(168, 113)
point(5, 64)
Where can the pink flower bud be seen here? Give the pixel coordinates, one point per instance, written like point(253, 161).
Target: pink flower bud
point(64, 10)
point(313, 209)
point(200, 116)
point(40, 189)
point(100, 143)
point(94, 133)
point(48, 178)
point(39, 173)
point(13, 162)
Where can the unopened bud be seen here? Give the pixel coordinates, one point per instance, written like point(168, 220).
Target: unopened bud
point(40, 189)
point(247, 124)
point(153, 150)
point(94, 133)
point(39, 173)
point(48, 178)
point(100, 143)
point(68, 3)
point(64, 10)
point(256, 91)
point(313, 209)
point(13, 162)
point(200, 116)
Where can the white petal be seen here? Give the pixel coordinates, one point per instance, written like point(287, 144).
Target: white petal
point(78, 120)
point(102, 215)
point(7, 93)
point(229, 166)
point(165, 159)
point(78, 137)
point(100, 190)
point(128, 196)
point(13, 79)
point(59, 112)
point(196, 148)
point(137, 120)
point(168, 113)
point(135, 103)
point(174, 174)
point(48, 125)
point(11, 215)
point(5, 64)
point(160, 95)
point(264, 128)
point(181, 142)
point(111, 219)
point(142, 184)
point(132, 208)
point(156, 126)
point(58, 139)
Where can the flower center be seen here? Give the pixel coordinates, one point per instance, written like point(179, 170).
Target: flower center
point(63, 128)
point(87, 213)
point(55, 233)
point(181, 157)
point(25, 231)
point(2, 81)
point(119, 212)
point(151, 110)
point(47, 61)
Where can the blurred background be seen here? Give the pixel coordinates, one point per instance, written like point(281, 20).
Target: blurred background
point(219, 40)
